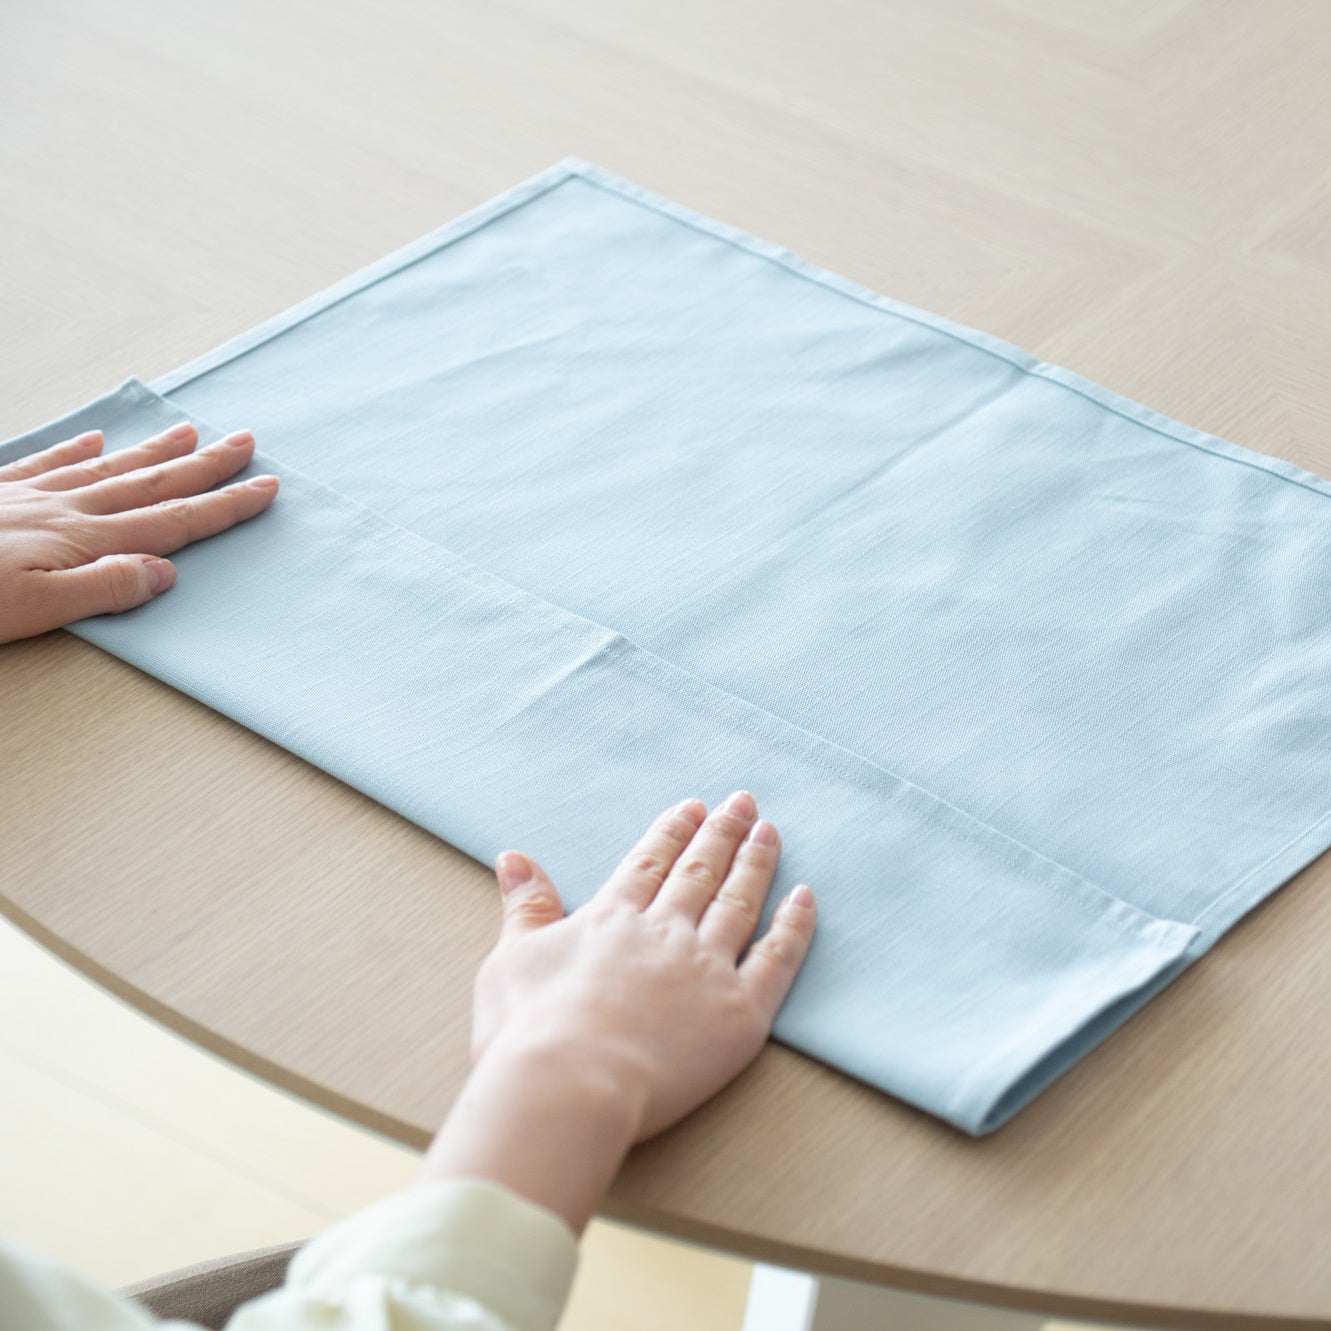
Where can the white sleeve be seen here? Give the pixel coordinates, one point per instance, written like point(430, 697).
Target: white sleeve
point(463, 1255)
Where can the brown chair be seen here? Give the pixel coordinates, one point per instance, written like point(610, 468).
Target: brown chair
point(211, 1291)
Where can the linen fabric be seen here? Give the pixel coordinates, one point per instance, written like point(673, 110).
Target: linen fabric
point(460, 1255)
point(591, 503)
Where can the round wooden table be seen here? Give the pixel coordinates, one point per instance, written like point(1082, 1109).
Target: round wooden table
point(1140, 191)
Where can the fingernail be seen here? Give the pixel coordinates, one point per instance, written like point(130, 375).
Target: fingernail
point(161, 572)
point(182, 431)
point(802, 896)
point(742, 803)
point(692, 809)
point(264, 482)
point(762, 833)
point(512, 868)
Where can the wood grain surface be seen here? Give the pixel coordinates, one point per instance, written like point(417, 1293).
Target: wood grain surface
point(1137, 189)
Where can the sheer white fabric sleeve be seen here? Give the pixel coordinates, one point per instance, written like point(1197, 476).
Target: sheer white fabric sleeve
point(466, 1255)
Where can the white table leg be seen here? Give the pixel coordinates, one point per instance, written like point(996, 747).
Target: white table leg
point(780, 1300)
point(783, 1300)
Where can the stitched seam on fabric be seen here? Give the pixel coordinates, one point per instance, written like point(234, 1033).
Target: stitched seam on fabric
point(777, 731)
point(699, 691)
point(727, 707)
point(598, 178)
point(331, 297)
point(811, 272)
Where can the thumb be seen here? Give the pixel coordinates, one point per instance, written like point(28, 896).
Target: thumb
point(106, 586)
point(531, 900)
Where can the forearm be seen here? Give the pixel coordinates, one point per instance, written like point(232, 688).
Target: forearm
point(550, 1126)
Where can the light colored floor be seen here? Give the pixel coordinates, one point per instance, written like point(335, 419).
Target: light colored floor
point(127, 1151)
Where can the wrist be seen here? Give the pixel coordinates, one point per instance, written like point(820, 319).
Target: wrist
point(543, 1118)
point(606, 1081)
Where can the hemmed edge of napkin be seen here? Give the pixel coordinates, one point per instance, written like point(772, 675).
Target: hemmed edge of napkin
point(570, 168)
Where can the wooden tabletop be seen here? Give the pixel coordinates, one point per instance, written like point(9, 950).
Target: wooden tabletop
point(1140, 190)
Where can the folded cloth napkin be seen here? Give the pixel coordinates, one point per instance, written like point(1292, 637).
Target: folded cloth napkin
point(590, 503)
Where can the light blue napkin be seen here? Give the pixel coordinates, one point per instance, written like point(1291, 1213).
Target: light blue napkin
point(590, 503)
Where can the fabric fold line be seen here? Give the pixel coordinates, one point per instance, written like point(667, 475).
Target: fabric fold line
point(803, 744)
point(493, 718)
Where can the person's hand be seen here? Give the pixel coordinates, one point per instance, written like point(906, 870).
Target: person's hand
point(599, 1029)
point(646, 982)
point(82, 534)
